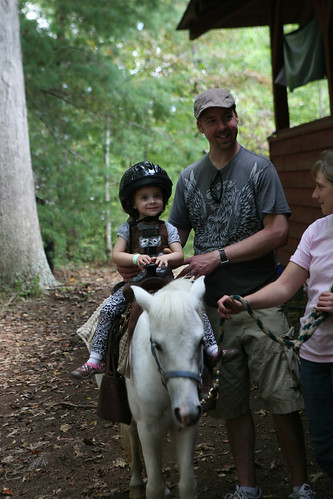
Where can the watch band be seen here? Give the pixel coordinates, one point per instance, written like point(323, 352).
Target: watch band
point(223, 256)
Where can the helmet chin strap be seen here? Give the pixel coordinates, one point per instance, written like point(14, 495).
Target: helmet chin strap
point(145, 219)
point(150, 219)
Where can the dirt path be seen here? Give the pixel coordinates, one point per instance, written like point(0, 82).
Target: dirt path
point(52, 444)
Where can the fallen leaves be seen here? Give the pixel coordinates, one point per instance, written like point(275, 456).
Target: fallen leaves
point(65, 427)
point(53, 444)
point(120, 463)
point(7, 492)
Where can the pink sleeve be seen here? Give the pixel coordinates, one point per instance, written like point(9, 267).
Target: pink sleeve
point(302, 255)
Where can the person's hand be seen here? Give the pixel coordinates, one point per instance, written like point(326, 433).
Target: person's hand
point(128, 272)
point(161, 260)
point(143, 260)
point(325, 302)
point(198, 265)
point(227, 306)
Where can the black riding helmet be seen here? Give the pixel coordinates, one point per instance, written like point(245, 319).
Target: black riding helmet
point(140, 175)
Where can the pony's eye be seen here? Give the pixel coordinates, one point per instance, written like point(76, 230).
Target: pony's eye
point(157, 346)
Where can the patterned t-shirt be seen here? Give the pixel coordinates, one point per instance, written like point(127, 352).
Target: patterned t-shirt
point(227, 206)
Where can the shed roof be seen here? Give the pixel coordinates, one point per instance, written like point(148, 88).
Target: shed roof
point(203, 15)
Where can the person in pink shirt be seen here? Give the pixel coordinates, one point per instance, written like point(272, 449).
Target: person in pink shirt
point(311, 262)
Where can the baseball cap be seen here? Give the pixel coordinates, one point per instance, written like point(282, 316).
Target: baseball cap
point(213, 97)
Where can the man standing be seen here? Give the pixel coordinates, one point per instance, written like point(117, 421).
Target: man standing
point(233, 200)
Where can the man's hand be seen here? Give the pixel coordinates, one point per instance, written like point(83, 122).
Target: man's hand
point(199, 265)
point(127, 273)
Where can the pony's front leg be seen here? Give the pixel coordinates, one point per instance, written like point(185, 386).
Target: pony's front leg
point(185, 442)
point(151, 443)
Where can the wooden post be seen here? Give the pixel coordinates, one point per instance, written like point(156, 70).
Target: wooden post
point(281, 110)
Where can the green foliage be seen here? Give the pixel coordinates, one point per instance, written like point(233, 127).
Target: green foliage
point(26, 289)
point(309, 102)
point(90, 65)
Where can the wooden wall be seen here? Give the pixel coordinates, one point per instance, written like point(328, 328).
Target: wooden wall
point(293, 151)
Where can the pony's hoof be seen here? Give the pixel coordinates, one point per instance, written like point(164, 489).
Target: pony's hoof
point(137, 492)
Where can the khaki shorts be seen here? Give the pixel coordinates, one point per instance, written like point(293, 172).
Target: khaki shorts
point(273, 368)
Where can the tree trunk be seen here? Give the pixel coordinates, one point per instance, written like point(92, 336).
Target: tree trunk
point(108, 240)
point(22, 256)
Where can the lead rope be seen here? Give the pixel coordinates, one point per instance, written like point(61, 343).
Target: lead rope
point(315, 318)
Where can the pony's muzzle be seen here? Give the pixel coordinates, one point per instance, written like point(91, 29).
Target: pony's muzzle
point(187, 418)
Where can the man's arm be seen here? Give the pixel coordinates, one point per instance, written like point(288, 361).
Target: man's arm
point(274, 235)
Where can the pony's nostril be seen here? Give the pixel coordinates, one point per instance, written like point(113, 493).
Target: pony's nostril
point(195, 418)
point(177, 415)
point(188, 419)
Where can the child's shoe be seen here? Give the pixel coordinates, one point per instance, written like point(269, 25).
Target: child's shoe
point(210, 360)
point(88, 369)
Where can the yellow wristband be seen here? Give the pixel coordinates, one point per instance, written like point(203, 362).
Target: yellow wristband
point(135, 257)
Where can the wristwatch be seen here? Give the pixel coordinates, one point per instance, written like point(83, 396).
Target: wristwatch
point(223, 256)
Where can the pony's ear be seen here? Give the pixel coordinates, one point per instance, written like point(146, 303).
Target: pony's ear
point(143, 298)
point(198, 288)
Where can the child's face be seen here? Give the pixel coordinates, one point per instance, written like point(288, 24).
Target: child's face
point(148, 201)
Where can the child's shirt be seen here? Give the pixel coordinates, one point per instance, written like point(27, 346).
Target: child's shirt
point(147, 242)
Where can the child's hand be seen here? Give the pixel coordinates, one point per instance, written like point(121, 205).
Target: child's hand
point(161, 261)
point(143, 260)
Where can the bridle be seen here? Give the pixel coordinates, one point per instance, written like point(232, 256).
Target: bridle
point(165, 375)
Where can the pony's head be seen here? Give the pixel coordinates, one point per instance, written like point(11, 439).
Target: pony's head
point(176, 334)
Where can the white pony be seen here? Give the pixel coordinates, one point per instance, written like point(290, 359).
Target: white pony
point(166, 369)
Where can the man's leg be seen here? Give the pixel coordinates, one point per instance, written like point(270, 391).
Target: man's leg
point(289, 432)
point(241, 440)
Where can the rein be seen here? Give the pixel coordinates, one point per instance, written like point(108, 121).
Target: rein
point(177, 374)
point(315, 318)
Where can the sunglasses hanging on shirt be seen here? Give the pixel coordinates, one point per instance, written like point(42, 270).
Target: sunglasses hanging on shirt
point(216, 187)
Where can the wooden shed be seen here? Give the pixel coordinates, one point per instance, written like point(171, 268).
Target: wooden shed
point(292, 150)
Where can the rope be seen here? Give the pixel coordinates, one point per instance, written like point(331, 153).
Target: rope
point(315, 318)
point(311, 324)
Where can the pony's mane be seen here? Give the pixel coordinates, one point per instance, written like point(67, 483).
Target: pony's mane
point(173, 301)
